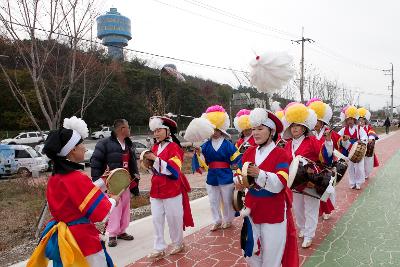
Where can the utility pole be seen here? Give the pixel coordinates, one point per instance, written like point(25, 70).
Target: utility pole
point(390, 72)
point(302, 40)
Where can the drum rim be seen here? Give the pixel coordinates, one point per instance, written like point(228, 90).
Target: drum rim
point(292, 174)
point(236, 201)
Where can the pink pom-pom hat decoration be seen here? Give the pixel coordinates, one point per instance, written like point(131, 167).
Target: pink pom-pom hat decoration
point(215, 108)
point(243, 112)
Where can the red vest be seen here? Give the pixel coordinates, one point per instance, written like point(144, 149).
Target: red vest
point(163, 186)
point(355, 135)
point(269, 208)
point(309, 148)
point(335, 138)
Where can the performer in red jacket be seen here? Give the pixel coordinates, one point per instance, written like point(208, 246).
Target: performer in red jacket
point(75, 204)
point(268, 233)
point(350, 135)
point(242, 124)
point(369, 161)
point(301, 121)
point(169, 187)
point(324, 115)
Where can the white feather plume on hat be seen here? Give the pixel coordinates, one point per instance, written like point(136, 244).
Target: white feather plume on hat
point(271, 71)
point(78, 125)
point(156, 123)
point(198, 130)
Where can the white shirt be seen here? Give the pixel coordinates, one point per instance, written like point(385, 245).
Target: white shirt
point(296, 144)
point(216, 143)
point(122, 144)
point(267, 180)
point(321, 132)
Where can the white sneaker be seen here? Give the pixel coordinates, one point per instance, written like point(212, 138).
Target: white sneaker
point(177, 249)
point(301, 235)
point(215, 227)
point(326, 216)
point(358, 187)
point(156, 254)
point(306, 243)
point(226, 225)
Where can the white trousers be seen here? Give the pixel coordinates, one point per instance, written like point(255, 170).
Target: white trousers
point(220, 198)
point(273, 240)
point(356, 173)
point(172, 209)
point(306, 211)
point(368, 165)
point(97, 260)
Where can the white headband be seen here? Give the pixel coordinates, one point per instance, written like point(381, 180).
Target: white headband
point(269, 123)
point(70, 144)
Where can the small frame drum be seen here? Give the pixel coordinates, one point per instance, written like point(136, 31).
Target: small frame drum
point(145, 163)
point(237, 202)
point(117, 181)
point(243, 147)
point(246, 180)
point(370, 148)
point(357, 152)
point(301, 181)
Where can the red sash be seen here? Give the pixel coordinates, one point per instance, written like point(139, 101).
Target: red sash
point(219, 165)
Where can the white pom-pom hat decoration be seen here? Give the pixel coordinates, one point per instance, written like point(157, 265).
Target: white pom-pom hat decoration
point(260, 116)
point(78, 125)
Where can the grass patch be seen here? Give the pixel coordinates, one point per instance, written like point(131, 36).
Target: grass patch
point(21, 202)
point(139, 201)
point(382, 130)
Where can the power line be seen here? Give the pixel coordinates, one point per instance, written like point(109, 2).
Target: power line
point(330, 53)
point(336, 55)
point(220, 21)
point(237, 17)
point(134, 50)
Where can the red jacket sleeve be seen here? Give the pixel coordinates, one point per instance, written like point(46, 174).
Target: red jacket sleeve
point(87, 197)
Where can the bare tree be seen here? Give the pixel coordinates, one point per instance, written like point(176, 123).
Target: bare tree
point(47, 36)
point(156, 103)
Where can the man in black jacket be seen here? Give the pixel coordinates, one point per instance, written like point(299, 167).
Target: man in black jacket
point(113, 152)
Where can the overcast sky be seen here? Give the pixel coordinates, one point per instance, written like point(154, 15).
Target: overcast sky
point(352, 38)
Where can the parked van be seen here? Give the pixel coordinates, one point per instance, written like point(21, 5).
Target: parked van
point(8, 166)
point(29, 161)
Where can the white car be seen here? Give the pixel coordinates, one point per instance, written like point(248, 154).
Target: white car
point(28, 160)
point(86, 160)
point(25, 139)
point(104, 132)
point(140, 146)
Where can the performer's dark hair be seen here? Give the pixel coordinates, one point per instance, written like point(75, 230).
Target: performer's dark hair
point(176, 140)
point(275, 137)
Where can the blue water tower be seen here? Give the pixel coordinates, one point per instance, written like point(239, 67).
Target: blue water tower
point(115, 31)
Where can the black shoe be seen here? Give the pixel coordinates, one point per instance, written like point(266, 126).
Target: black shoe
point(125, 236)
point(112, 241)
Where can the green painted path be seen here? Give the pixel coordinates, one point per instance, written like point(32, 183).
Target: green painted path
point(369, 233)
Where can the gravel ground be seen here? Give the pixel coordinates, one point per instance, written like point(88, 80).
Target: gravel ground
point(22, 252)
